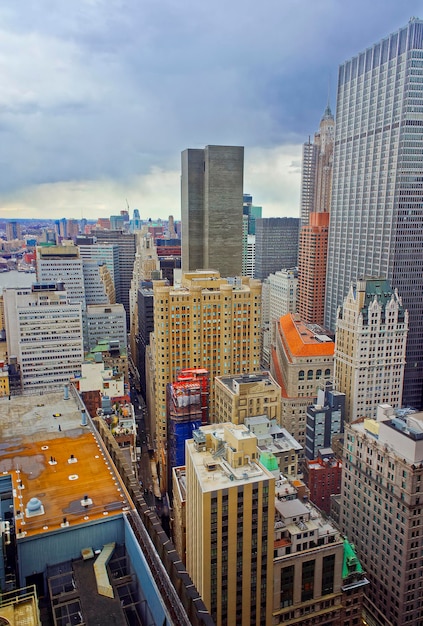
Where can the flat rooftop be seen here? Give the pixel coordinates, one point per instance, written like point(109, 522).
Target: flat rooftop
point(214, 471)
point(246, 379)
point(54, 460)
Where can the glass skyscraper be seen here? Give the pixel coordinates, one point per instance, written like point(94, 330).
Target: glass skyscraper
point(376, 221)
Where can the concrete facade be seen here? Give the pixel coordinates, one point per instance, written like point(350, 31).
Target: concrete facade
point(276, 245)
point(44, 332)
point(212, 209)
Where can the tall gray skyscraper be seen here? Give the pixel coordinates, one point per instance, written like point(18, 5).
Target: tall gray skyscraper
point(316, 171)
point(376, 221)
point(211, 209)
point(276, 245)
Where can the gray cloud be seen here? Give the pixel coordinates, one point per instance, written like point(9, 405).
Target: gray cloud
point(111, 91)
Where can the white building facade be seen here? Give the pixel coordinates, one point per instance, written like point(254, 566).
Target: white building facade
point(370, 347)
point(44, 332)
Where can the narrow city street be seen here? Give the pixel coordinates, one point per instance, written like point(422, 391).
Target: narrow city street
point(147, 472)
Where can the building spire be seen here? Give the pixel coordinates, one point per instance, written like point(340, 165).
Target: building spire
point(328, 112)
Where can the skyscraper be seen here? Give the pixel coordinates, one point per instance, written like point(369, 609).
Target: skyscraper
point(230, 525)
point(62, 264)
point(376, 223)
point(44, 331)
point(312, 259)
point(276, 245)
point(13, 230)
point(212, 209)
point(207, 323)
point(371, 337)
point(316, 172)
point(316, 186)
point(381, 512)
point(127, 244)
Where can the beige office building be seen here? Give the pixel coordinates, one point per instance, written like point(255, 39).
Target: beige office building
point(207, 322)
point(317, 578)
point(246, 395)
point(230, 525)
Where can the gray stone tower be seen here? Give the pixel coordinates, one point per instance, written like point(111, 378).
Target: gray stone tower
point(211, 209)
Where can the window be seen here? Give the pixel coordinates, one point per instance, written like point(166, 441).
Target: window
point(328, 574)
point(287, 586)
point(307, 582)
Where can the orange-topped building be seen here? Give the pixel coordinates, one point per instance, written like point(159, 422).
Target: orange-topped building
point(301, 359)
point(73, 524)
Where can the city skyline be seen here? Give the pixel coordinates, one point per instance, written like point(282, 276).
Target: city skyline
point(99, 98)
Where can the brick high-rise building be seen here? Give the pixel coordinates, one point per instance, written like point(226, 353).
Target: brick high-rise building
point(302, 359)
point(316, 188)
point(312, 260)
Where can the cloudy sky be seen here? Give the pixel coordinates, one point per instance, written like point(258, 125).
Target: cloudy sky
point(99, 97)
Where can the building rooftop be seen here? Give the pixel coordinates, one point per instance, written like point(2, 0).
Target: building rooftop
point(214, 470)
point(304, 340)
point(400, 431)
point(232, 382)
point(57, 467)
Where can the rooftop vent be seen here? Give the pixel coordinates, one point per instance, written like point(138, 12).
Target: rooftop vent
point(34, 507)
